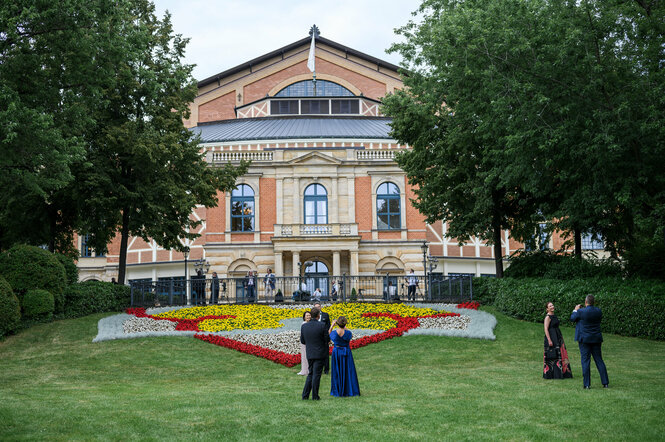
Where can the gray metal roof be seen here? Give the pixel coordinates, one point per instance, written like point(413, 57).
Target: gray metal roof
point(284, 128)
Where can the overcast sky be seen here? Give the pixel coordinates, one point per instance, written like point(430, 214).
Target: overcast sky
point(226, 33)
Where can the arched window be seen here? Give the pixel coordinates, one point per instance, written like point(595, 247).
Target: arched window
point(305, 88)
point(388, 207)
point(242, 209)
point(316, 204)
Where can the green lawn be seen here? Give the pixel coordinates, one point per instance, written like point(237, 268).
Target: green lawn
point(56, 384)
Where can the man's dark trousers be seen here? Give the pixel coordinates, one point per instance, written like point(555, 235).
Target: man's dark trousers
point(313, 379)
point(586, 352)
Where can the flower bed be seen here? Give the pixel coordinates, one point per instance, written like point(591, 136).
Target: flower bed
point(272, 332)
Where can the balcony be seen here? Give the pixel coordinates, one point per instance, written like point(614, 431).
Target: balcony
point(316, 230)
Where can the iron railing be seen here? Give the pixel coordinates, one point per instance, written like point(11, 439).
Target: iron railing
point(290, 289)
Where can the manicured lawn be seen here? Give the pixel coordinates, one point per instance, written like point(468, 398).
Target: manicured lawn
point(55, 384)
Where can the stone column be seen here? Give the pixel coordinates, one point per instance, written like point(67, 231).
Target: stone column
point(353, 268)
point(279, 264)
point(334, 202)
point(337, 270)
point(297, 213)
point(296, 260)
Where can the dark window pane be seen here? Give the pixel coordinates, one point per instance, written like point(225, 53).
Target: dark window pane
point(381, 205)
point(393, 205)
point(236, 224)
point(394, 222)
point(382, 222)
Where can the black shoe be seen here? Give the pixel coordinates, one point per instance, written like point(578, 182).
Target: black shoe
point(305, 399)
point(326, 372)
point(606, 386)
point(587, 387)
point(316, 398)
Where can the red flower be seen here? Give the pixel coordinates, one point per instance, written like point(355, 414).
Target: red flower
point(473, 305)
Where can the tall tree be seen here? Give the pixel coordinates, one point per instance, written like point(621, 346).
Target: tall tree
point(145, 172)
point(452, 113)
point(49, 84)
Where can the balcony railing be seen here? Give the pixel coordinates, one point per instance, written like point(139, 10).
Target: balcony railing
point(238, 156)
point(378, 154)
point(316, 229)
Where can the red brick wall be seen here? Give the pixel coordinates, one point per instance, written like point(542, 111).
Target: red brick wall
point(369, 87)
point(414, 220)
point(216, 219)
point(390, 235)
point(363, 193)
point(242, 237)
point(268, 203)
point(220, 108)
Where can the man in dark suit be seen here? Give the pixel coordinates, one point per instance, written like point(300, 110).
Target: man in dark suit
point(590, 338)
point(314, 335)
point(325, 318)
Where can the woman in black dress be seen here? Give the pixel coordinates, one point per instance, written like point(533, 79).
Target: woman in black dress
point(555, 355)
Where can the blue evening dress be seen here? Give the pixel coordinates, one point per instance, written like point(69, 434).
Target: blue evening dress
point(343, 377)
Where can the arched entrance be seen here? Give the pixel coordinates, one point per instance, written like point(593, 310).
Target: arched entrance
point(317, 276)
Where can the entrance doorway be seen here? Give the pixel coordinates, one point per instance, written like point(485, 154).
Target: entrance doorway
point(317, 276)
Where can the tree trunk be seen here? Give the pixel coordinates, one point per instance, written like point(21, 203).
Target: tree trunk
point(124, 238)
point(498, 251)
point(578, 242)
point(52, 228)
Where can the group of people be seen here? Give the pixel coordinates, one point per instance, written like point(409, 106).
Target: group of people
point(588, 335)
point(316, 332)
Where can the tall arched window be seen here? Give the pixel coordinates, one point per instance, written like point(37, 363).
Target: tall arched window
point(316, 204)
point(242, 209)
point(388, 207)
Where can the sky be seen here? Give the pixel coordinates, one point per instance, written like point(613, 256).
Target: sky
point(226, 33)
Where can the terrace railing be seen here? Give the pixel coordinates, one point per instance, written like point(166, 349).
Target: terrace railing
point(292, 289)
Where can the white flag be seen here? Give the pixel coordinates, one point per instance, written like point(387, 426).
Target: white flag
point(310, 60)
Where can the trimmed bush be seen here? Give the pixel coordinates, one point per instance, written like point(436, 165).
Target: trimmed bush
point(29, 267)
point(71, 270)
point(551, 265)
point(483, 290)
point(630, 308)
point(38, 305)
point(10, 311)
point(89, 297)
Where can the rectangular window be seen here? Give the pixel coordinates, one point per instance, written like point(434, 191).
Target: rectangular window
point(283, 107)
point(345, 106)
point(86, 250)
point(589, 243)
point(314, 107)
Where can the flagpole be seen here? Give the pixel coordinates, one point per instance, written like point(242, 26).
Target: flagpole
point(311, 61)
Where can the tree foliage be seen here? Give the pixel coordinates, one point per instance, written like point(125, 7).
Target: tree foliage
point(551, 108)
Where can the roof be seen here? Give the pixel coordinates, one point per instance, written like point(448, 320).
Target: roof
point(285, 128)
point(294, 45)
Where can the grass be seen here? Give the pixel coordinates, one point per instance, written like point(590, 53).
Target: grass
point(56, 384)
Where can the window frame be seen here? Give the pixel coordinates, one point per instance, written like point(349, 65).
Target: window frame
point(387, 196)
point(315, 198)
point(243, 198)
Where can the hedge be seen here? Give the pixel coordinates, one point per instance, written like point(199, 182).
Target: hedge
point(38, 305)
point(29, 267)
point(89, 297)
point(552, 265)
point(630, 307)
point(71, 270)
point(10, 311)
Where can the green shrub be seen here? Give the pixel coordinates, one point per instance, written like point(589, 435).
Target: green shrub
point(354, 295)
point(89, 297)
point(38, 305)
point(552, 265)
point(483, 290)
point(646, 260)
point(10, 311)
point(71, 270)
point(630, 308)
point(29, 267)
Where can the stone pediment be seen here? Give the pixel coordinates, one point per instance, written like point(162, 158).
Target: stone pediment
point(315, 158)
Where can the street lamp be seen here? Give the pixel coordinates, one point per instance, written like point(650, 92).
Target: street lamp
point(202, 265)
point(423, 247)
point(432, 261)
point(185, 253)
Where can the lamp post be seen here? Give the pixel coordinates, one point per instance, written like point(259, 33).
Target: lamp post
point(432, 262)
point(201, 266)
point(424, 249)
point(185, 253)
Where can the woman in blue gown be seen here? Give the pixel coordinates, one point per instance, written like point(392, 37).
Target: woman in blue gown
point(343, 377)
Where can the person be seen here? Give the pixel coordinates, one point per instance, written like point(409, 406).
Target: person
point(392, 292)
point(344, 379)
point(555, 354)
point(304, 367)
point(412, 281)
point(335, 291)
point(214, 289)
point(316, 296)
point(314, 335)
point(199, 288)
point(590, 338)
point(269, 282)
point(325, 318)
point(249, 282)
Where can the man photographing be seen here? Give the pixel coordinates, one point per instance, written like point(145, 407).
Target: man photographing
point(590, 339)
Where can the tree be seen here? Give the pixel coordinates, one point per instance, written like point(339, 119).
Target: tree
point(49, 83)
point(145, 172)
point(452, 113)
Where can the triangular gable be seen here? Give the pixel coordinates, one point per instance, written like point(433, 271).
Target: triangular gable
point(315, 158)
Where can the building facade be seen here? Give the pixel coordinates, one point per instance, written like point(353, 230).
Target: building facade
point(322, 187)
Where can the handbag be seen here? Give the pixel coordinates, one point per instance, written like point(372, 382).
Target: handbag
point(552, 353)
